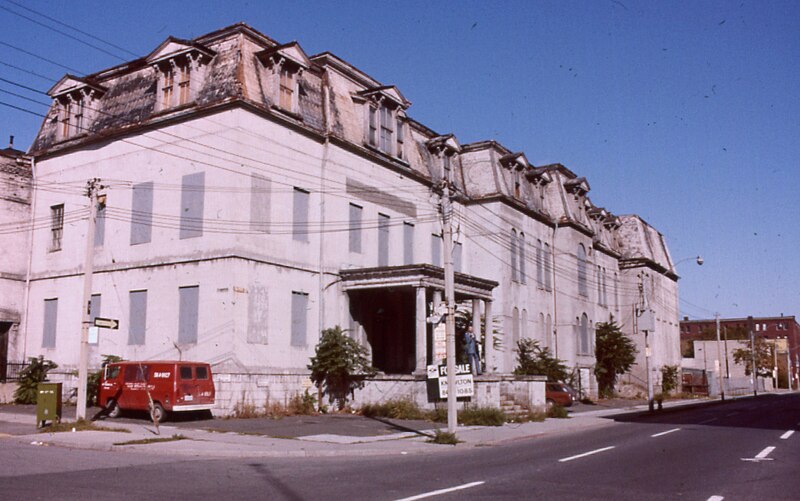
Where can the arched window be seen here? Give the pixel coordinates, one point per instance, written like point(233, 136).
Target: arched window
point(548, 268)
point(539, 264)
point(543, 328)
point(583, 333)
point(513, 255)
point(583, 288)
point(521, 250)
point(514, 328)
point(523, 331)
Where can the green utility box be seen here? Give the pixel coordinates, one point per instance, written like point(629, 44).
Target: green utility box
point(48, 403)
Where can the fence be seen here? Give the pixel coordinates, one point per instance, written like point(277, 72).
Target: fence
point(11, 371)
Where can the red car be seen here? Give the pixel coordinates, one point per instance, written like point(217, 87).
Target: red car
point(173, 386)
point(559, 394)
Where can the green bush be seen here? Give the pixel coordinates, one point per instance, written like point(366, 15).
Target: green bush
point(93, 380)
point(339, 366)
point(533, 360)
point(557, 412)
point(30, 377)
point(669, 378)
point(481, 416)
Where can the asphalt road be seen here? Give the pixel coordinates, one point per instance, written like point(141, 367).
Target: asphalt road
point(735, 450)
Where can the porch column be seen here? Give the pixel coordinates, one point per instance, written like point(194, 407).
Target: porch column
point(476, 323)
point(437, 298)
point(489, 346)
point(421, 317)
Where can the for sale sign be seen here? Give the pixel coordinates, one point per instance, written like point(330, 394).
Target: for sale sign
point(464, 384)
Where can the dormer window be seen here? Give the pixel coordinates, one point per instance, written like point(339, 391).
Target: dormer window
point(383, 124)
point(179, 65)
point(74, 99)
point(445, 148)
point(285, 65)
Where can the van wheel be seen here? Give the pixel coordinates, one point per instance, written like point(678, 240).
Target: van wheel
point(550, 404)
point(113, 409)
point(158, 413)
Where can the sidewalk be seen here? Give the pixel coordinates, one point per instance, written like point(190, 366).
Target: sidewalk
point(311, 436)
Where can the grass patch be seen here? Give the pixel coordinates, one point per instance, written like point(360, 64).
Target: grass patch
point(557, 412)
point(143, 441)
point(298, 405)
point(396, 409)
point(444, 438)
point(79, 425)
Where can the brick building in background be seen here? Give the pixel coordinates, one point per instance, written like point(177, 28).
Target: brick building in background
point(783, 332)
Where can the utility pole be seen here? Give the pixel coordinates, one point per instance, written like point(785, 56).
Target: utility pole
point(647, 322)
point(450, 321)
point(719, 362)
point(92, 187)
point(753, 368)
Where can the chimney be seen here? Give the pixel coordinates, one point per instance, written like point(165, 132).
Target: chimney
point(11, 142)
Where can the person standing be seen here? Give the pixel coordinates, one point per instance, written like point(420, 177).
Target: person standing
point(472, 351)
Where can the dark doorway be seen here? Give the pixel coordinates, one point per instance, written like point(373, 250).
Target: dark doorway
point(388, 318)
point(5, 331)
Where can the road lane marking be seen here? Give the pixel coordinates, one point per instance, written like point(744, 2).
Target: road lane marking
point(664, 432)
point(564, 460)
point(715, 498)
point(442, 491)
point(761, 456)
point(787, 434)
point(765, 452)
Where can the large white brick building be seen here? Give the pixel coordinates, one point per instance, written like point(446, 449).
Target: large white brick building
point(255, 195)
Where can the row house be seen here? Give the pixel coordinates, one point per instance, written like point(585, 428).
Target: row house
point(254, 195)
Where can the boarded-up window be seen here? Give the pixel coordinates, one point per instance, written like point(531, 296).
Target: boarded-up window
point(299, 318)
point(100, 225)
point(457, 256)
point(260, 208)
point(142, 213)
point(355, 228)
point(408, 243)
point(257, 314)
point(523, 329)
point(192, 196)
point(548, 268)
point(50, 323)
point(436, 250)
point(95, 303)
point(522, 258)
point(300, 215)
point(383, 240)
point(583, 287)
point(188, 303)
point(539, 263)
point(514, 272)
point(584, 345)
point(137, 323)
point(56, 226)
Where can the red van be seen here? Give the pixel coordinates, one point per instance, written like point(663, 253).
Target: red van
point(174, 386)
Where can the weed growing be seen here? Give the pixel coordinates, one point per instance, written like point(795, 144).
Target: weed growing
point(145, 441)
point(79, 425)
point(557, 412)
point(444, 438)
point(395, 409)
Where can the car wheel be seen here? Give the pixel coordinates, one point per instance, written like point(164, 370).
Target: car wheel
point(158, 414)
point(550, 403)
point(113, 409)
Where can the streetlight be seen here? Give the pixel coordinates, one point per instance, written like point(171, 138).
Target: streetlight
point(697, 259)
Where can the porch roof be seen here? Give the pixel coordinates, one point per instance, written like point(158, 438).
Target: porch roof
point(416, 275)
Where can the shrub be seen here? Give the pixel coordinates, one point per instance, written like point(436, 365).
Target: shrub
point(302, 405)
point(532, 359)
point(30, 377)
point(444, 437)
point(615, 354)
point(557, 412)
point(481, 416)
point(669, 378)
point(339, 366)
point(395, 409)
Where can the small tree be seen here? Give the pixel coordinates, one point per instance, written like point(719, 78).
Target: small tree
point(669, 378)
point(30, 377)
point(340, 366)
point(764, 359)
point(532, 359)
point(615, 354)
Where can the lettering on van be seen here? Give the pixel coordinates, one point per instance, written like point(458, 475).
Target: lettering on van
point(161, 375)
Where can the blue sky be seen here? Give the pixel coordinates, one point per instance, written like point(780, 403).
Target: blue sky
point(686, 113)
